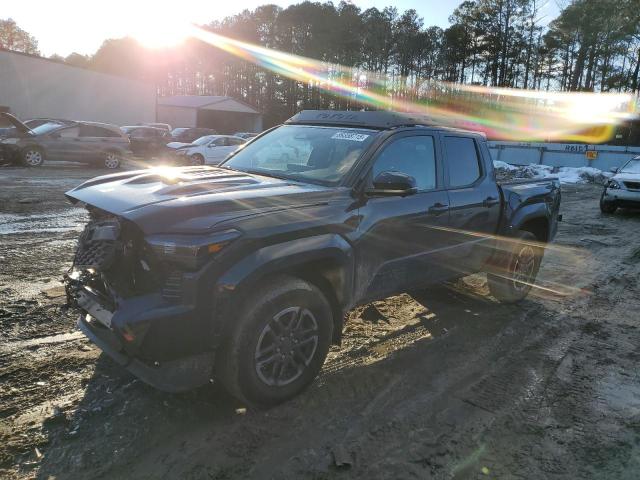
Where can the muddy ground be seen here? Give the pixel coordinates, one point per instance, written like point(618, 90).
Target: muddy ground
point(444, 383)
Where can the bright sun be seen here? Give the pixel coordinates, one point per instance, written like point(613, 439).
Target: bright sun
point(161, 31)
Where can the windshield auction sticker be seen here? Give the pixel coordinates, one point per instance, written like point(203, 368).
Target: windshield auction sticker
point(354, 137)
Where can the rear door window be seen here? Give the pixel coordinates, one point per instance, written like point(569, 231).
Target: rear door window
point(95, 131)
point(138, 133)
point(72, 132)
point(462, 160)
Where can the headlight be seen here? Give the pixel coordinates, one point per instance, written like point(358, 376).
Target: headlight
point(10, 141)
point(190, 251)
point(614, 184)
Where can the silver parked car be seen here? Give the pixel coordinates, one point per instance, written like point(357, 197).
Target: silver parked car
point(100, 144)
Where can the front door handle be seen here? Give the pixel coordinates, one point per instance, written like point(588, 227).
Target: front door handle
point(438, 209)
point(490, 201)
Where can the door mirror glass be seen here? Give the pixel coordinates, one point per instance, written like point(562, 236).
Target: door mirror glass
point(392, 183)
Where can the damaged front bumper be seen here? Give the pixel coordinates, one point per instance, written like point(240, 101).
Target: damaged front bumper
point(138, 337)
point(171, 376)
point(145, 300)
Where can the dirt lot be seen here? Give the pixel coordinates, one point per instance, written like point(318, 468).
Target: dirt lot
point(444, 383)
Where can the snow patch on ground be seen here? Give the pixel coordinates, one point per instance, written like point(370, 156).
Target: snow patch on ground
point(506, 171)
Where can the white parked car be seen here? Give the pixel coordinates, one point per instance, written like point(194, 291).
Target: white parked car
point(210, 149)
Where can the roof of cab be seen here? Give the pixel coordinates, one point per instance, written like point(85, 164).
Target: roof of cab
point(378, 119)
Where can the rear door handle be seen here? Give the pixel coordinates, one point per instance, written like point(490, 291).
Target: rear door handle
point(490, 201)
point(438, 209)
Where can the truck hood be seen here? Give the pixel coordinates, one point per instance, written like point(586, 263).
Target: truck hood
point(193, 199)
point(629, 177)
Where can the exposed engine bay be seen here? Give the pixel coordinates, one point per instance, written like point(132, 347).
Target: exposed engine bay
point(112, 261)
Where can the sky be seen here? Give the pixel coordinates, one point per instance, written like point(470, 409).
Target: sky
point(66, 26)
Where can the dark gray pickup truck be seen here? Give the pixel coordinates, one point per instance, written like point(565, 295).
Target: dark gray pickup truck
point(244, 272)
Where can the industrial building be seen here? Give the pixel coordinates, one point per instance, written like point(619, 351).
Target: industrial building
point(224, 114)
point(32, 86)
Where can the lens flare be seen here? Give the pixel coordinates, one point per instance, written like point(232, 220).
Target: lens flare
point(501, 113)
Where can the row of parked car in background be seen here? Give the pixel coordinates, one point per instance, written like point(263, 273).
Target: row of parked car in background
point(31, 142)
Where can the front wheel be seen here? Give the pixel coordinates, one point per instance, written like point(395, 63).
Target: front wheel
point(196, 159)
point(517, 269)
point(279, 343)
point(111, 160)
point(32, 157)
point(607, 207)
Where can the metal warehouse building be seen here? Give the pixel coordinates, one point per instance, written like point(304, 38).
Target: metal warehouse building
point(224, 114)
point(32, 86)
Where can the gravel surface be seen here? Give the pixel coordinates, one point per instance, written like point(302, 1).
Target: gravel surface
point(443, 383)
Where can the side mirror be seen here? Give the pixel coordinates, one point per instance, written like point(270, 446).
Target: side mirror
point(389, 184)
point(614, 169)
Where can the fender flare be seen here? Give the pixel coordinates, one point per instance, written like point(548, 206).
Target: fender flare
point(521, 215)
point(526, 213)
point(328, 249)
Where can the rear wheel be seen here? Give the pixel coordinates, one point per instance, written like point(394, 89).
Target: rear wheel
point(279, 344)
point(111, 160)
point(196, 159)
point(32, 157)
point(517, 270)
point(607, 207)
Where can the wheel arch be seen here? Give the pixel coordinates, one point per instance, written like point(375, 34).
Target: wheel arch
point(325, 261)
point(534, 218)
point(34, 146)
point(538, 226)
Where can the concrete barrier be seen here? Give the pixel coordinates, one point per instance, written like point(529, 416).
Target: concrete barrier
point(603, 157)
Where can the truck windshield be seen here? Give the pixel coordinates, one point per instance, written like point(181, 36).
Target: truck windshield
point(312, 154)
point(633, 166)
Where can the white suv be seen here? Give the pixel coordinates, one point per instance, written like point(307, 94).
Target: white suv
point(623, 189)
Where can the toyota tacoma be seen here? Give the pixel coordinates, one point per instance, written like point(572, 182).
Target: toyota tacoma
point(243, 273)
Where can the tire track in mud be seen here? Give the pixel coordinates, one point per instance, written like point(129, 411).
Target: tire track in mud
point(567, 415)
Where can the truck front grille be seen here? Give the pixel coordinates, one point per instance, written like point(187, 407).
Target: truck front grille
point(172, 288)
point(99, 245)
point(632, 185)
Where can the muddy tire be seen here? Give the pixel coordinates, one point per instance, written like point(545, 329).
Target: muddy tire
point(112, 160)
point(607, 207)
point(32, 157)
point(279, 343)
point(196, 159)
point(517, 269)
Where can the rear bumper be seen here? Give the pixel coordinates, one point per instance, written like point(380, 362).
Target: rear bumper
point(169, 376)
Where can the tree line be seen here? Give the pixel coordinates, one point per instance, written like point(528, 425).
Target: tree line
point(593, 45)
